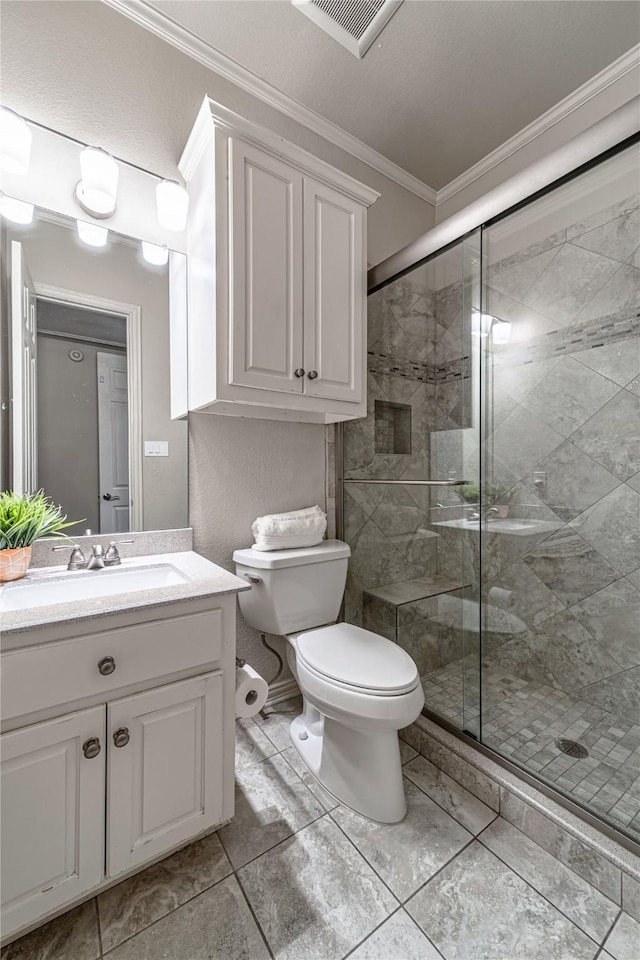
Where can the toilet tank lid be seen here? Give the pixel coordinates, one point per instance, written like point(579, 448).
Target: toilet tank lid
point(270, 560)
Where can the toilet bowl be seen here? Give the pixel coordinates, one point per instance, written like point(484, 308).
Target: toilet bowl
point(358, 688)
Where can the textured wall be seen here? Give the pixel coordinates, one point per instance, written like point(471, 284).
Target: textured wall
point(87, 71)
point(240, 469)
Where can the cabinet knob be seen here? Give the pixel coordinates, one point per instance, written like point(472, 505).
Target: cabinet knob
point(121, 737)
point(106, 666)
point(312, 374)
point(299, 372)
point(91, 748)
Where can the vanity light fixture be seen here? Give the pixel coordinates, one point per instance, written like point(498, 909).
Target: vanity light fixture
point(17, 211)
point(92, 234)
point(154, 254)
point(480, 323)
point(501, 332)
point(15, 138)
point(97, 190)
point(173, 203)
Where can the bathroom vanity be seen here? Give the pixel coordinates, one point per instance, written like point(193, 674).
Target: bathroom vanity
point(117, 719)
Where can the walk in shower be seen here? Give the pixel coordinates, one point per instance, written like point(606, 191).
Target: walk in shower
point(491, 497)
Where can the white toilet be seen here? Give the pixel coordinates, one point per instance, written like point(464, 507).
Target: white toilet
point(358, 688)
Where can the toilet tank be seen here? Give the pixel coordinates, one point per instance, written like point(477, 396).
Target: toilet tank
point(296, 590)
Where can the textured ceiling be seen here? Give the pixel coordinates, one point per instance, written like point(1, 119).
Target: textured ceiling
point(446, 82)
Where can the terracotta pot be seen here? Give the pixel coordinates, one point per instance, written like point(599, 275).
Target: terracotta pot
point(14, 563)
point(503, 511)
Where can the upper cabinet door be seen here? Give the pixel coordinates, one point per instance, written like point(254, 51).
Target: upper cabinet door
point(165, 769)
point(334, 293)
point(266, 271)
point(53, 783)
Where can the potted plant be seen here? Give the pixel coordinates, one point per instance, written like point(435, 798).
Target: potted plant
point(25, 517)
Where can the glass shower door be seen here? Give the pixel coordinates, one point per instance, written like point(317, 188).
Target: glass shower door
point(561, 447)
point(411, 504)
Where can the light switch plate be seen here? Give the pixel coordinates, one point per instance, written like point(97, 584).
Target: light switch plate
point(156, 448)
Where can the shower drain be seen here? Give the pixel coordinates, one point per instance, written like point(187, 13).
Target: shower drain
point(572, 749)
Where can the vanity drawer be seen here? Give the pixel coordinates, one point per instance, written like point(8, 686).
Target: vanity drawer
point(37, 678)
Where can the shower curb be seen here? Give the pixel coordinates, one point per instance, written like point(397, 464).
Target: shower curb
point(602, 861)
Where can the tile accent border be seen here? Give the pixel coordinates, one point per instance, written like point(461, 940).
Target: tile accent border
point(600, 860)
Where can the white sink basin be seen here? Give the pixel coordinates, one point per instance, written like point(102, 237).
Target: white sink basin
point(89, 585)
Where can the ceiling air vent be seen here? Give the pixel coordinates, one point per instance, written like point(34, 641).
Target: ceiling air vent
point(353, 23)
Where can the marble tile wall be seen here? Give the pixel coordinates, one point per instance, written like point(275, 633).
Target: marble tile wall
point(387, 526)
point(566, 435)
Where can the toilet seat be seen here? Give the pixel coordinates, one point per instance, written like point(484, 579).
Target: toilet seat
point(357, 660)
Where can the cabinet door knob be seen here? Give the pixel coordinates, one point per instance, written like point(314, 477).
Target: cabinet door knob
point(91, 748)
point(121, 737)
point(312, 374)
point(299, 372)
point(106, 666)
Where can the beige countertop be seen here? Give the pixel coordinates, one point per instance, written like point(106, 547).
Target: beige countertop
point(205, 579)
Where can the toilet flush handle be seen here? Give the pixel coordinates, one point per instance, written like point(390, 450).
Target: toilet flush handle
point(252, 577)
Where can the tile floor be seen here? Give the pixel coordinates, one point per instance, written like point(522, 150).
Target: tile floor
point(521, 720)
point(297, 876)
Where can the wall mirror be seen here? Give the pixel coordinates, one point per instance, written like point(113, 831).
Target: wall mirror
point(86, 376)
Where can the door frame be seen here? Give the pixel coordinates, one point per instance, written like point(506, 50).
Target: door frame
point(132, 314)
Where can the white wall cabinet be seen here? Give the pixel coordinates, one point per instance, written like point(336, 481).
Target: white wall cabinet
point(128, 733)
point(276, 277)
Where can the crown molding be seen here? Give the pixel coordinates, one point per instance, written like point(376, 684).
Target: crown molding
point(615, 71)
point(167, 29)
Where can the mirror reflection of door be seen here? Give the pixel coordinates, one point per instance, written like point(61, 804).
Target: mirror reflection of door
point(23, 373)
point(113, 442)
point(83, 423)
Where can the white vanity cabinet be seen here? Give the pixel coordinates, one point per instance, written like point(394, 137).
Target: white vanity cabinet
point(276, 277)
point(53, 790)
point(117, 747)
point(164, 769)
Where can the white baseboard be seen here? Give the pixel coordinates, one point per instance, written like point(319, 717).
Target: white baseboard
point(282, 690)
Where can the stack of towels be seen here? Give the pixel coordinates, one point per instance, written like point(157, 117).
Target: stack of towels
point(287, 531)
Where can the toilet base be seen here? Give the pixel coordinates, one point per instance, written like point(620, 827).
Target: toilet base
point(362, 770)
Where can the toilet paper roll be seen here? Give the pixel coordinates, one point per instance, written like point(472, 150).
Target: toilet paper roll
point(252, 691)
point(501, 597)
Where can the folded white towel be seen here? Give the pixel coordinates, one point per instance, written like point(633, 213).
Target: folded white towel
point(288, 543)
point(286, 531)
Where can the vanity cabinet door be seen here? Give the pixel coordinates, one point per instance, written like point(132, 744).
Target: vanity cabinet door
point(265, 271)
point(164, 769)
point(334, 294)
point(52, 794)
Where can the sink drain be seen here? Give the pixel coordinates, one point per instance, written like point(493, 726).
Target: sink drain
point(572, 749)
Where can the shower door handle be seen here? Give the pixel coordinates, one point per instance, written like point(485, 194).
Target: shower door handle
point(416, 483)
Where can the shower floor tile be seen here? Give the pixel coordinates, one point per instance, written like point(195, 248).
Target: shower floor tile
point(523, 719)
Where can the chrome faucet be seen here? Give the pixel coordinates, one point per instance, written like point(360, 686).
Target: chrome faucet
point(96, 560)
point(99, 559)
point(482, 514)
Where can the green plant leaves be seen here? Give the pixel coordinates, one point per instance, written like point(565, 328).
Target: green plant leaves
point(25, 517)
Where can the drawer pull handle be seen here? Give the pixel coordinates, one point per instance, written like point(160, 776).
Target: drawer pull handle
point(299, 372)
point(106, 666)
point(313, 374)
point(91, 748)
point(121, 737)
